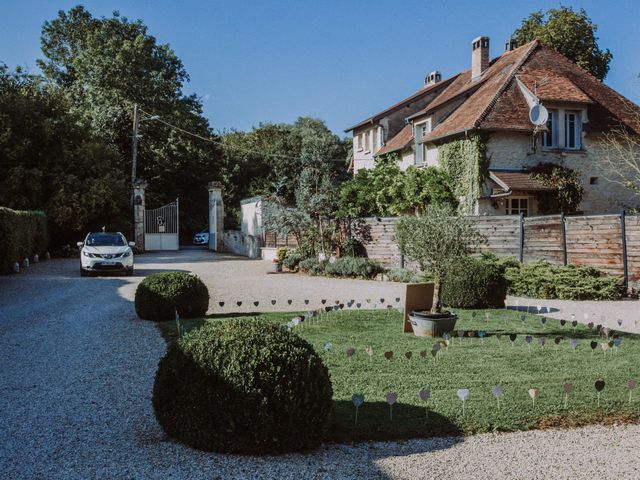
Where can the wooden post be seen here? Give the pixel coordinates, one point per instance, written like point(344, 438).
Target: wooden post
point(563, 226)
point(625, 265)
point(521, 237)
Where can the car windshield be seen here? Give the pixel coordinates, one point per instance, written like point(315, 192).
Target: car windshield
point(105, 240)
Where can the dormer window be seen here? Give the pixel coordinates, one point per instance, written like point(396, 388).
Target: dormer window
point(564, 130)
point(572, 130)
point(419, 131)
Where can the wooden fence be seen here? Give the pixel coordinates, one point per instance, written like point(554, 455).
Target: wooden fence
point(607, 242)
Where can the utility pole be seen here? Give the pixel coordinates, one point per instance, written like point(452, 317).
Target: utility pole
point(134, 144)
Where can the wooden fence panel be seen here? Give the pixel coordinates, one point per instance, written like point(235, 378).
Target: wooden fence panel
point(502, 233)
point(383, 246)
point(543, 239)
point(632, 225)
point(596, 241)
point(591, 240)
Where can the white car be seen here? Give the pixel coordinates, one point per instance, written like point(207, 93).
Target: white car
point(106, 252)
point(201, 238)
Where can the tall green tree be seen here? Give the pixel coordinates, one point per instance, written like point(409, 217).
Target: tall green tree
point(570, 32)
point(49, 161)
point(105, 66)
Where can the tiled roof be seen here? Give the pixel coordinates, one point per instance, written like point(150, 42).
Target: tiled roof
point(423, 91)
point(517, 181)
point(494, 102)
point(552, 86)
point(401, 140)
point(478, 96)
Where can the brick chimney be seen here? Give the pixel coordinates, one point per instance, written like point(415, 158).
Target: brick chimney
point(432, 78)
point(479, 56)
point(510, 45)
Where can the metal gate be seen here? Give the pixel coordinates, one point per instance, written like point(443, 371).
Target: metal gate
point(161, 228)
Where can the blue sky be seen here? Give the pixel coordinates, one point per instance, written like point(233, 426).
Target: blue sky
point(260, 61)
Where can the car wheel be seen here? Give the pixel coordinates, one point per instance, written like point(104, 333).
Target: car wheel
point(130, 273)
point(83, 273)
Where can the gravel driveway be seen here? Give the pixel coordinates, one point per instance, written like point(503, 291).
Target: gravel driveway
point(77, 370)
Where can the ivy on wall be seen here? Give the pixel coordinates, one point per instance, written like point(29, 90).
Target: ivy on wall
point(568, 191)
point(465, 160)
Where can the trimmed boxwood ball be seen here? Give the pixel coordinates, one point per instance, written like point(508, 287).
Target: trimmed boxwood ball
point(474, 283)
point(159, 296)
point(243, 386)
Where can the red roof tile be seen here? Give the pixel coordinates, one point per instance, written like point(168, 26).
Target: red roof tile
point(401, 140)
point(518, 181)
point(480, 95)
point(496, 103)
point(423, 91)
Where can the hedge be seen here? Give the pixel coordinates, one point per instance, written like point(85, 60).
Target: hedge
point(543, 280)
point(160, 295)
point(243, 386)
point(474, 283)
point(22, 235)
point(353, 267)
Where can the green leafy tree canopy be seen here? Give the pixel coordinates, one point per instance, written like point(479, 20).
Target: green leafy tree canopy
point(570, 32)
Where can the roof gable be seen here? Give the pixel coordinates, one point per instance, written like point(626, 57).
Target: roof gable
point(480, 95)
point(425, 90)
point(498, 103)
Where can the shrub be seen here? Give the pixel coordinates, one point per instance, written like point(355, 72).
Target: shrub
point(160, 295)
point(403, 275)
point(281, 253)
point(292, 260)
point(542, 280)
point(312, 266)
point(501, 262)
point(474, 283)
point(22, 234)
point(243, 386)
point(351, 247)
point(353, 267)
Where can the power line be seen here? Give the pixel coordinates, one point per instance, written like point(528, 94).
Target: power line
point(157, 118)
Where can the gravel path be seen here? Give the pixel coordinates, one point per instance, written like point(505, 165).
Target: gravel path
point(77, 370)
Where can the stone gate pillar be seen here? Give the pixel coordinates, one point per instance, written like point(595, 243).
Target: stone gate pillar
point(139, 188)
point(216, 216)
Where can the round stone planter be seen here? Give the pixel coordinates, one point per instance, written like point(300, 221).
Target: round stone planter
point(427, 324)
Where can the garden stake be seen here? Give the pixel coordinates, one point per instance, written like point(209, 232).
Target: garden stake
point(358, 400)
point(631, 384)
point(424, 396)
point(391, 398)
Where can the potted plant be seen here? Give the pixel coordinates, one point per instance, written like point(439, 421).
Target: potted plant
point(433, 239)
point(281, 254)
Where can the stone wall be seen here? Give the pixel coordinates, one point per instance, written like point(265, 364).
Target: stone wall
point(513, 151)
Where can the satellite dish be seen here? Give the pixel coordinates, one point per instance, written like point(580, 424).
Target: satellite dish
point(538, 115)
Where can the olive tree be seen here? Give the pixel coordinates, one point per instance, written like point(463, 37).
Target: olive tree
point(434, 239)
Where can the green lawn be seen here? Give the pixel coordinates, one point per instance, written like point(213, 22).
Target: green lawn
point(473, 363)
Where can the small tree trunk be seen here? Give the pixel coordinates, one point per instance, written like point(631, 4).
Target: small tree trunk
point(436, 307)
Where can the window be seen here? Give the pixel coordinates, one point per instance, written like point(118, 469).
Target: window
point(420, 130)
point(375, 140)
point(593, 181)
point(572, 130)
point(517, 205)
point(359, 141)
point(550, 137)
point(367, 141)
